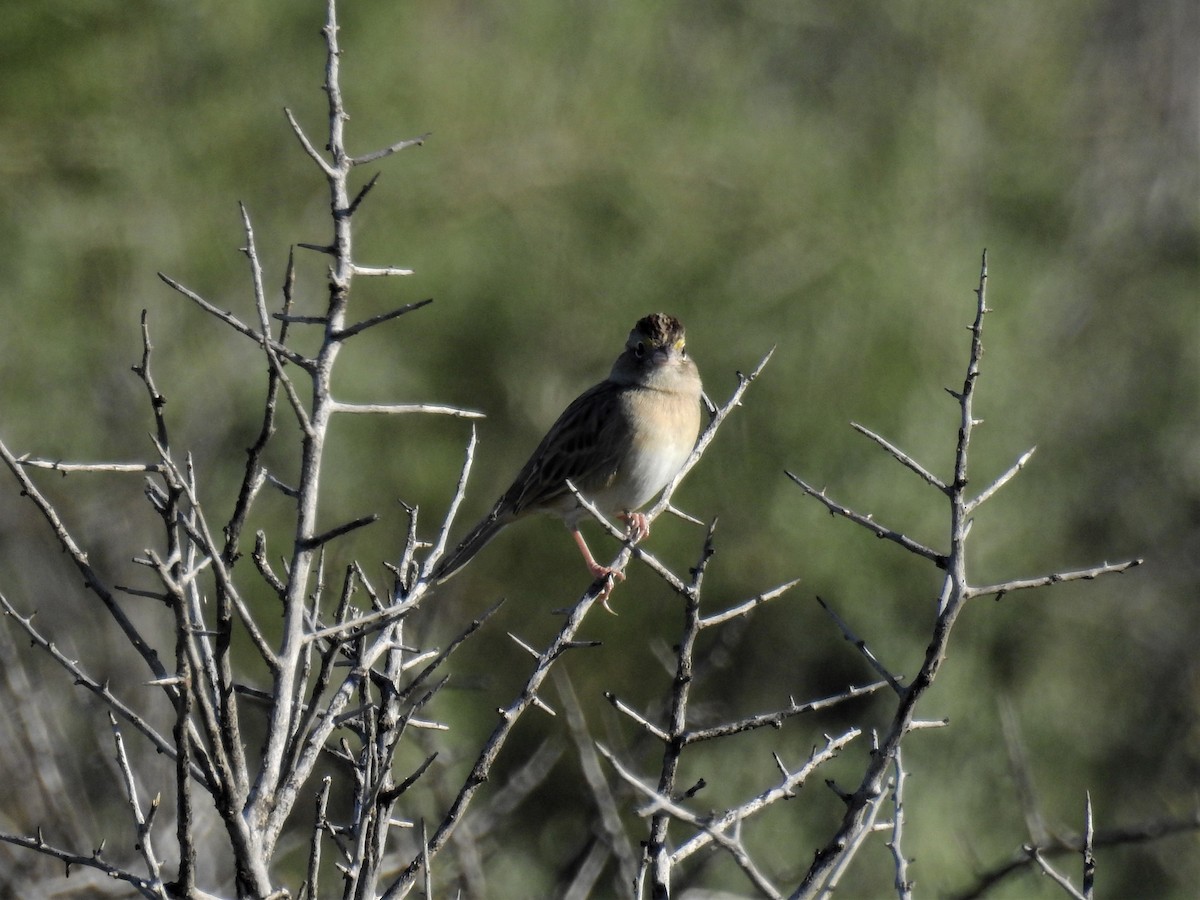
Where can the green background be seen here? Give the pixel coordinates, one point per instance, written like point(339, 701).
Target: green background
point(817, 177)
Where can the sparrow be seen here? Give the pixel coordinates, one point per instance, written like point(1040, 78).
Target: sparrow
point(619, 443)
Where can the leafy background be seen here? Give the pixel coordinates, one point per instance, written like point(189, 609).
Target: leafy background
point(817, 177)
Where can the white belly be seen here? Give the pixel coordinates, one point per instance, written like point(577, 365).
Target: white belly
point(655, 457)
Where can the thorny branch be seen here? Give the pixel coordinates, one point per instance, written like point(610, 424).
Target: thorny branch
point(862, 803)
point(340, 683)
point(1077, 845)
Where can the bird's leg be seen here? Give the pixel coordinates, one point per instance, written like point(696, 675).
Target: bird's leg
point(597, 570)
point(611, 575)
point(639, 526)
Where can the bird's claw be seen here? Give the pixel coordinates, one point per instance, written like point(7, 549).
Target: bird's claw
point(639, 526)
point(611, 577)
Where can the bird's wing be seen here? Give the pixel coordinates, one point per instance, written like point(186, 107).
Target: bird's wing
point(585, 446)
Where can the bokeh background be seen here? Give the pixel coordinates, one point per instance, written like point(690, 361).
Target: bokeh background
point(817, 177)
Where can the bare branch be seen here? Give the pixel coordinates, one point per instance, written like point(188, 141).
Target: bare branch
point(255, 473)
point(656, 860)
point(777, 718)
point(238, 325)
point(664, 805)
point(264, 565)
point(1147, 832)
point(747, 605)
point(320, 823)
point(1057, 877)
point(362, 326)
point(395, 409)
point(101, 689)
point(388, 151)
point(499, 737)
point(903, 458)
point(645, 724)
point(785, 790)
point(317, 728)
point(319, 540)
point(277, 374)
point(80, 559)
point(862, 648)
point(379, 271)
point(316, 157)
point(460, 491)
point(66, 468)
point(1000, 482)
point(606, 803)
point(142, 824)
point(362, 194)
point(327, 249)
point(896, 844)
point(870, 524)
point(1054, 578)
point(143, 886)
point(862, 805)
point(842, 866)
point(680, 514)
point(1089, 855)
point(198, 530)
point(427, 880)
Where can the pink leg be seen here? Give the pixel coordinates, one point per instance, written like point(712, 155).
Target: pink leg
point(612, 576)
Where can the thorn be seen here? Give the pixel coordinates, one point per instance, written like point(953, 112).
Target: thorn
point(845, 796)
point(164, 682)
point(694, 789)
point(541, 704)
point(524, 646)
point(581, 645)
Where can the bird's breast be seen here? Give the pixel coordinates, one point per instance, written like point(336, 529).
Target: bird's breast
point(663, 429)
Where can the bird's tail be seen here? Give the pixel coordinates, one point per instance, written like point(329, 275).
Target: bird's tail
point(476, 538)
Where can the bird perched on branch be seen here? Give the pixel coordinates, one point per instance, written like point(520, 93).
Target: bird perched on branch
point(619, 443)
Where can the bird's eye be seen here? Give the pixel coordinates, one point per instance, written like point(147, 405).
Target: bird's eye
point(639, 349)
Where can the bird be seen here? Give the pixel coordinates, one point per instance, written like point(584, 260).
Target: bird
point(619, 443)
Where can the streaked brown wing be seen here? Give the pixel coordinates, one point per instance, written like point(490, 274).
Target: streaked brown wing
point(585, 446)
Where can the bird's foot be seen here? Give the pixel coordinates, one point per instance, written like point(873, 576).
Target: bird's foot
point(639, 526)
point(611, 576)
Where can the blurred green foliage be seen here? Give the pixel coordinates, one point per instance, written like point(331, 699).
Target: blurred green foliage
point(820, 177)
